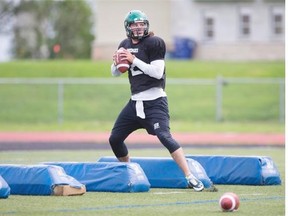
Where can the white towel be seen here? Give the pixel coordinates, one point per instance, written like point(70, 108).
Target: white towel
point(140, 109)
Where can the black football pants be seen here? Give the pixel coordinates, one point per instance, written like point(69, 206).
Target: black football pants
point(156, 122)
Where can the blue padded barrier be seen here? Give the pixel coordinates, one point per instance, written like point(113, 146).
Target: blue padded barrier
point(163, 172)
point(243, 170)
point(4, 188)
point(36, 179)
point(108, 177)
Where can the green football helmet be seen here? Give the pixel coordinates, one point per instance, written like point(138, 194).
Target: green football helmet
point(133, 17)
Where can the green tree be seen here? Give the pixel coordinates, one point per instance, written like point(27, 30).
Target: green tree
point(6, 13)
point(72, 26)
point(31, 32)
point(40, 25)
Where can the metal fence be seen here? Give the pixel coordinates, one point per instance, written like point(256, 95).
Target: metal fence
point(219, 83)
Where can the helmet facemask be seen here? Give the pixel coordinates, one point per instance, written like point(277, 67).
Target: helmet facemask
point(138, 32)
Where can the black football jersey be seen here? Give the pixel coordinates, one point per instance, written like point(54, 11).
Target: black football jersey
point(149, 49)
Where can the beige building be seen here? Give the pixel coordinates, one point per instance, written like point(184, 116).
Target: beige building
point(199, 29)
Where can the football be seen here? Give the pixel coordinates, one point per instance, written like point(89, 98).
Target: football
point(229, 202)
point(122, 65)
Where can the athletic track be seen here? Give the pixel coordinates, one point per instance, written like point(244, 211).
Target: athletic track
point(91, 140)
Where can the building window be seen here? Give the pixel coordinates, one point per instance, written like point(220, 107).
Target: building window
point(245, 23)
point(209, 26)
point(277, 21)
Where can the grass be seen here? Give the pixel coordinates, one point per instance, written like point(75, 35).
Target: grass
point(175, 69)
point(245, 107)
point(254, 200)
point(95, 108)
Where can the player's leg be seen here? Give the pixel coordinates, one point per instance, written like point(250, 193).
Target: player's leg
point(125, 124)
point(118, 146)
point(157, 123)
point(178, 156)
point(192, 181)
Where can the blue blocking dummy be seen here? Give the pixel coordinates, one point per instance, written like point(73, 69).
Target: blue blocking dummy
point(163, 172)
point(4, 189)
point(243, 170)
point(37, 179)
point(107, 177)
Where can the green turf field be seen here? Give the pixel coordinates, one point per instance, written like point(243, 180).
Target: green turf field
point(175, 69)
point(245, 107)
point(254, 200)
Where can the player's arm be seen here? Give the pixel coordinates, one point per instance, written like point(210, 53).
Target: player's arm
point(155, 69)
point(114, 71)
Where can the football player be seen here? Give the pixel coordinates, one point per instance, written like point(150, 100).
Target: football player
point(148, 106)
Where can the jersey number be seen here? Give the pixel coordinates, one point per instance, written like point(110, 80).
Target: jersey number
point(136, 71)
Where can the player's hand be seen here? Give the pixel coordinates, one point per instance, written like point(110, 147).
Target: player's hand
point(126, 55)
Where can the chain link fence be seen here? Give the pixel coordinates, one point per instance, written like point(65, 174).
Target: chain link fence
point(101, 99)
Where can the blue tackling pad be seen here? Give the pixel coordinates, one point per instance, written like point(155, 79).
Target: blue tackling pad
point(4, 189)
point(163, 172)
point(35, 179)
point(243, 170)
point(107, 177)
